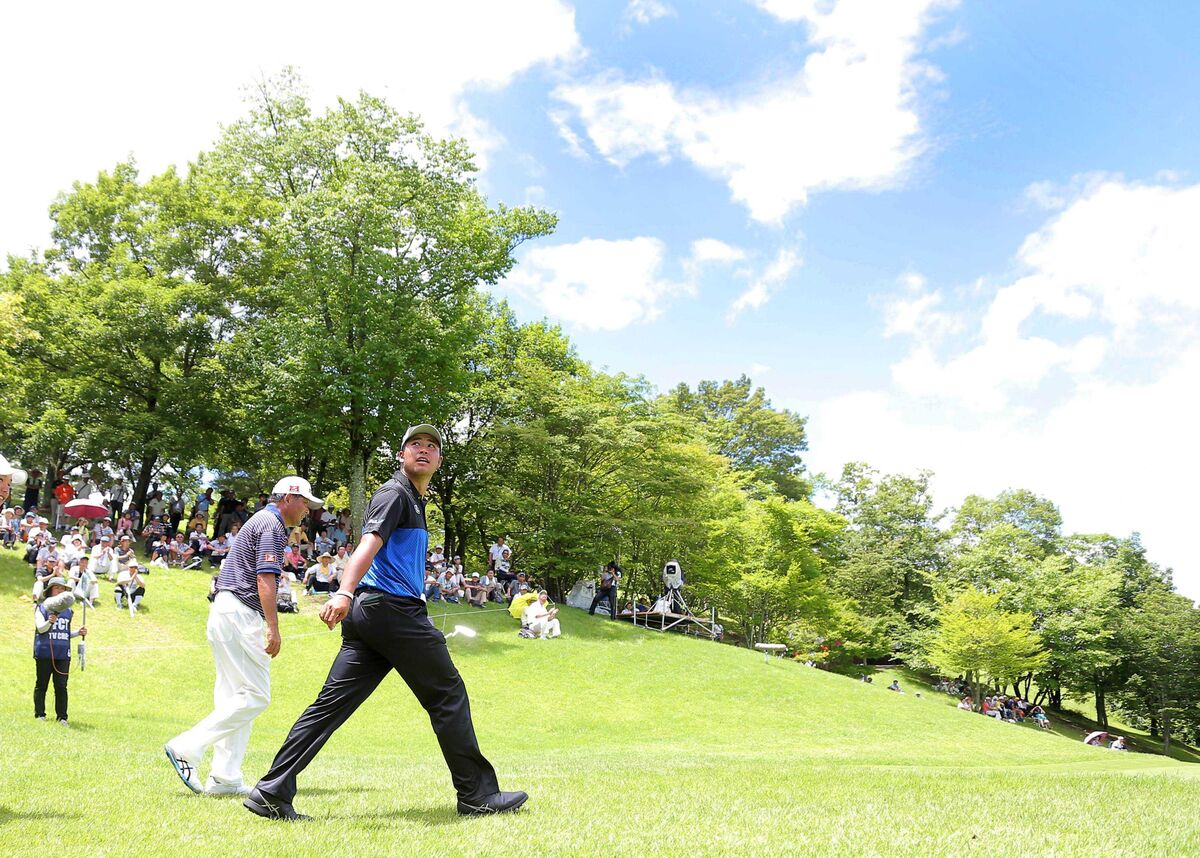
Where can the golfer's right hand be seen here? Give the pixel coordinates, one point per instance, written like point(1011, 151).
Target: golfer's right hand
point(274, 642)
point(334, 611)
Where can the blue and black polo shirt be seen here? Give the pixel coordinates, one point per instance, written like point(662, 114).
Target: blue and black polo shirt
point(397, 514)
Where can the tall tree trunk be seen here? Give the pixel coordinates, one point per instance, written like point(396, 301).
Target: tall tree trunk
point(1101, 710)
point(145, 472)
point(1166, 731)
point(358, 490)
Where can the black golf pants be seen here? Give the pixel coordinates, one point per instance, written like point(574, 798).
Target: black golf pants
point(382, 633)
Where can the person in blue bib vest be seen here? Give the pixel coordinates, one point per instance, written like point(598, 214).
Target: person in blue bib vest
point(52, 653)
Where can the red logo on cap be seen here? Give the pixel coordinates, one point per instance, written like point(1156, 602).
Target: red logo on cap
point(293, 488)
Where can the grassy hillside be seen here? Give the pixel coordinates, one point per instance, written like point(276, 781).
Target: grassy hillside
point(628, 742)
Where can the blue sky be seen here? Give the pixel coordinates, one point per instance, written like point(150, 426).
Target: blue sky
point(957, 236)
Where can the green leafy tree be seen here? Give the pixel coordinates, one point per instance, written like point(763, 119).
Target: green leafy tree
point(977, 639)
point(1163, 633)
point(374, 240)
point(740, 424)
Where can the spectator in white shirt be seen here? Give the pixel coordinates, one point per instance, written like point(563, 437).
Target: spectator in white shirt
point(316, 579)
point(104, 559)
point(540, 618)
point(495, 551)
point(84, 581)
point(218, 550)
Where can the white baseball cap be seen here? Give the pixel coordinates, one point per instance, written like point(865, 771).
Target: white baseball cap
point(7, 470)
point(298, 486)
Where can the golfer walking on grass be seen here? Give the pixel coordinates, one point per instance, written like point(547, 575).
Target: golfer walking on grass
point(243, 606)
point(384, 627)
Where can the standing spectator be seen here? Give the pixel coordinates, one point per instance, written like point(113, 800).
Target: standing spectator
point(222, 513)
point(233, 534)
point(156, 507)
point(64, 493)
point(117, 496)
point(203, 502)
point(243, 608)
point(175, 512)
point(261, 504)
point(494, 552)
point(241, 515)
point(609, 578)
point(338, 535)
point(52, 653)
point(33, 490)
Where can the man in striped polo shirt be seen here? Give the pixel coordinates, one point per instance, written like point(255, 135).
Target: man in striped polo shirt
point(243, 606)
point(386, 627)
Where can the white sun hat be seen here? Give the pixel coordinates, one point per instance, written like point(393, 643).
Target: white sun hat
point(298, 486)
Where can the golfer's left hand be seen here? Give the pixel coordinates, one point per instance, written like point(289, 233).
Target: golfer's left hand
point(274, 642)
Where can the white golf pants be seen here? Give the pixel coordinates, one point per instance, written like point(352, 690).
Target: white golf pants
point(242, 690)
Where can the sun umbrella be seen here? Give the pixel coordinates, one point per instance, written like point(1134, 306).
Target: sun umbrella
point(1096, 735)
point(91, 507)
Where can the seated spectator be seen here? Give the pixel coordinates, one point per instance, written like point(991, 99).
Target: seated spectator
point(104, 557)
point(437, 558)
point(72, 551)
point(516, 586)
point(299, 540)
point(1038, 714)
point(491, 588)
point(131, 586)
point(293, 562)
point(503, 569)
point(84, 582)
point(433, 593)
point(476, 592)
point(540, 618)
point(341, 558)
point(966, 704)
point(317, 577)
point(338, 535)
point(516, 608)
point(8, 528)
point(1096, 740)
point(218, 550)
point(124, 525)
point(452, 585)
point(895, 686)
point(1118, 744)
point(323, 544)
point(178, 551)
point(233, 532)
point(154, 531)
point(285, 599)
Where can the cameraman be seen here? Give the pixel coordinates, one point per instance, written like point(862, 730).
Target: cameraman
point(607, 590)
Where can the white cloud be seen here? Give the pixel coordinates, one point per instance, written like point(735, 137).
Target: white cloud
point(598, 284)
point(763, 286)
point(757, 369)
point(846, 119)
point(915, 312)
point(1112, 280)
point(646, 11)
point(95, 104)
point(706, 250)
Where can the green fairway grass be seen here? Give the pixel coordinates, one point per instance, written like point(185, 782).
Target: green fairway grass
point(629, 743)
